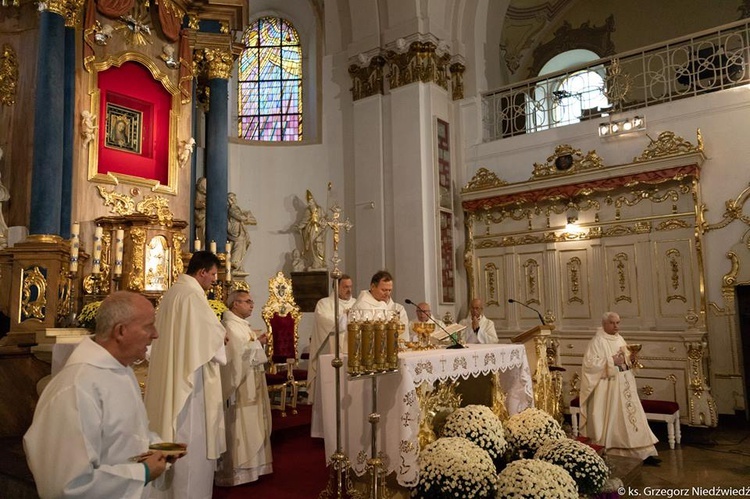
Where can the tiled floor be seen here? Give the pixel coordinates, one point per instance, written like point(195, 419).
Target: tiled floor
point(708, 458)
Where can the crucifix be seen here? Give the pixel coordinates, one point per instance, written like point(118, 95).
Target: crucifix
point(336, 225)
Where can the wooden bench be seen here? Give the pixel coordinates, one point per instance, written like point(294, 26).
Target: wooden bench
point(656, 410)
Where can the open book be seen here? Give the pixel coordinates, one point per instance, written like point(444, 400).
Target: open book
point(450, 330)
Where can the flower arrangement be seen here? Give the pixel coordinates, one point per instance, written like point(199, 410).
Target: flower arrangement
point(453, 467)
point(480, 425)
point(87, 317)
point(218, 307)
point(535, 479)
point(587, 468)
point(528, 430)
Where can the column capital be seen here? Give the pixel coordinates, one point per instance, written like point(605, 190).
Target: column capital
point(218, 63)
point(73, 13)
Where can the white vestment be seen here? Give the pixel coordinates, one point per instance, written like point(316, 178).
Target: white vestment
point(365, 301)
point(485, 334)
point(89, 422)
point(324, 324)
point(248, 410)
point(183, 392)
point(611, 413)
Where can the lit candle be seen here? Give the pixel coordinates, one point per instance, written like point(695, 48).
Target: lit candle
point(119, 249)
point(228, 260)
point(75, 244)
point(97, 259)
point(197, 245)
point(213, 247)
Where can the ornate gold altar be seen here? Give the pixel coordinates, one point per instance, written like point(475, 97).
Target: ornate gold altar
point(419, 396)
point(152, 254)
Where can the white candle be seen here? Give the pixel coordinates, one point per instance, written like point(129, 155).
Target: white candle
point(75, 244)
point(228, 261)
point(213, 247)
point(119, 250)
point(197, 245)
point(97, 259)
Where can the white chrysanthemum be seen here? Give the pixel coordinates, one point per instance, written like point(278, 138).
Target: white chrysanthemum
point(480, 425)
point(453, 467)
point(586, 467)
point(528, 430)
point(534, 479)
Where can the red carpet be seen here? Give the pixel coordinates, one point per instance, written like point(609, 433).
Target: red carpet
point(299, 463)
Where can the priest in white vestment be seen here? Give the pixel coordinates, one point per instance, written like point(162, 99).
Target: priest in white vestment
point(322, 340)
point(247, 407)
point(611, 414)
point(378, 297)
point(90, 421)
point(183, 392)
point(479, 329)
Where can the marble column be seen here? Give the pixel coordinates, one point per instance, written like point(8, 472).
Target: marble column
point(219, 64)
point(49, 111)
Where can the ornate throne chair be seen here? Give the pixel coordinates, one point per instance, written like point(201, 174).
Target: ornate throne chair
point(282, 316)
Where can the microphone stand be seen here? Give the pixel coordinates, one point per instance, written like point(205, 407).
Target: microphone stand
point(511, 300)
point(456, 345)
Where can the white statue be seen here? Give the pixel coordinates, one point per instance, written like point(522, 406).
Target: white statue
point(88, 127)
point(167, 55)
point(236, 232)
point(199, 216)
point(298, 264)
point(313, 230)
point(186, 149)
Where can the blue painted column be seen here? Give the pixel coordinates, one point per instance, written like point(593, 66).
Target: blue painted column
point(217, 146)
point(69, 120)
point(47, 168)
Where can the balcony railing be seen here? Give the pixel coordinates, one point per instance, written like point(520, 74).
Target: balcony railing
point(685, 67)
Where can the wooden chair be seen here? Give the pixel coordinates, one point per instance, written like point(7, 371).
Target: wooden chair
point(282, 317)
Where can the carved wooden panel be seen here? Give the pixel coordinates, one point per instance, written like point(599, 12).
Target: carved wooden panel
point(491, 285)
point(674, 276)
point(622, 279)
point(573, 266)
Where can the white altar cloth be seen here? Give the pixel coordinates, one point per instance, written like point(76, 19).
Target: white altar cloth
point(398, 430)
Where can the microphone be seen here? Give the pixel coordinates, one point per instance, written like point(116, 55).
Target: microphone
point(455, 344)
point(511, 300)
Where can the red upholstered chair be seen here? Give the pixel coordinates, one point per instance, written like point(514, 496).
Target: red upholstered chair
point(282, 316)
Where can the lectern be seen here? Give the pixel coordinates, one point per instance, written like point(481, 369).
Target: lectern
point(547, 387)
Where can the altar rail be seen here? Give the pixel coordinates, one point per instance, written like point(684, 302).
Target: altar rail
point(684, 67)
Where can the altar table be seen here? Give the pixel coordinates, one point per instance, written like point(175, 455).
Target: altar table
point(398, 406)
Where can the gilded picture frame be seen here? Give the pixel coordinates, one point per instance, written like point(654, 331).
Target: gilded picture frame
point(140, 152)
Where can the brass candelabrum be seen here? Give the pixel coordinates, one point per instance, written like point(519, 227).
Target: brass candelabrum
point(372, 345)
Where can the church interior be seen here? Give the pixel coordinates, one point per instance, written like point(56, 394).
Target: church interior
point(556, 159)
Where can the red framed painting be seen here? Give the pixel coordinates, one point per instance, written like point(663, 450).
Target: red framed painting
point(137, 109)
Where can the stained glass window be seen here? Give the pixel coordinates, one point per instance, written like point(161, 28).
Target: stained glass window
point(270, 82)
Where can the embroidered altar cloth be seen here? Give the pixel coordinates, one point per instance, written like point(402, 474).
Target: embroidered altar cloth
point(398, 405)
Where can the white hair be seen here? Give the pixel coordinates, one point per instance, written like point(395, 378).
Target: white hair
point(608, 315)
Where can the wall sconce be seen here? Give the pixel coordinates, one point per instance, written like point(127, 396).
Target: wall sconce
point(622, 126)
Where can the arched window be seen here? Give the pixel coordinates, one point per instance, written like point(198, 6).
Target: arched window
point(561, 101)
point(270, 82)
